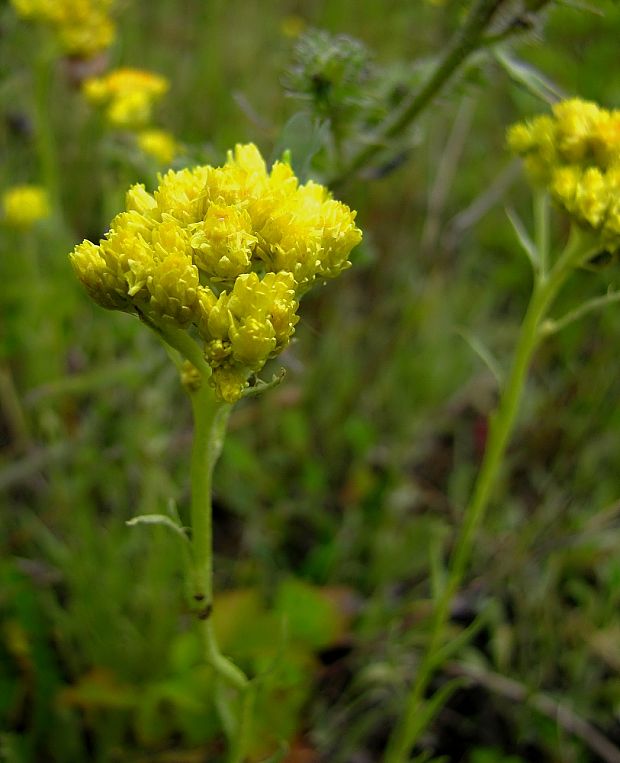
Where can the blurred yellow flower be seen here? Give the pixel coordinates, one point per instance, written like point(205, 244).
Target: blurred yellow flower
point(158, 144)
point(292, 26)
point(575, 154)
point(225, 252)
point(83, 28)
point(126, 95)
point(24, 205)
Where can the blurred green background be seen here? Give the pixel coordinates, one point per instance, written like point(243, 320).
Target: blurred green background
point(333, 487)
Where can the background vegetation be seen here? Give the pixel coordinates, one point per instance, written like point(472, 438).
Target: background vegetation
point(333, 487)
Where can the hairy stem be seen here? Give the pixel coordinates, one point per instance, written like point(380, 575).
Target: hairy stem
point(466, 41)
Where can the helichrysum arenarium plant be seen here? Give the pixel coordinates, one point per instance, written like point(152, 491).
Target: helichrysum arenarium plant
point(572, 157)
point(215, 262)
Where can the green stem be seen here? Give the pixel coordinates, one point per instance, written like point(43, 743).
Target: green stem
point(209, 417)
point(180, 341)
point(408, 730)
point(210, 420)
point(541, 225)
point(11, 406)
point(183, 343)
point(466, 41)
point(45, 141)
point(241, 741)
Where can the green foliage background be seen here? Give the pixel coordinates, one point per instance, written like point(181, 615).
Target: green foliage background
point(333, 487)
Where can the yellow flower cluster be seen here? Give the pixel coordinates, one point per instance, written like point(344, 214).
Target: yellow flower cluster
point(292, 26)
point(83, 27)
point(575, 154)
point(158, 144)
point(224, 252)
point(127, 95)
point(24, 205)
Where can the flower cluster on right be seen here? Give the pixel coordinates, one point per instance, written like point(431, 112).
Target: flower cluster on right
point(225, 253)
point(575, 154)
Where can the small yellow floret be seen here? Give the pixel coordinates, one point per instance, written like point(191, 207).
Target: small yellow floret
point(519, 138)
point(223, 242)
point(24, 205)
point(173, 285)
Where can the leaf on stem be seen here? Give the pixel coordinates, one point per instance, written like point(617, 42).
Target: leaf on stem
point(484, 353)
point(303, 136)
point(280, 753)
point(551, 326)
point(462, 639)
point(159, 519)
point(529, 78)
point(224, 702)
point(437, 569)
point(433, 705)
point(427, 757)
point(262, 386)
point(524, 239)
point(582, 5)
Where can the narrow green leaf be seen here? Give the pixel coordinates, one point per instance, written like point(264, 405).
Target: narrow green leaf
point(582, 5)
point(529, 77)
point(280, 754)
point(552, 326)
point(431, 707)
point(226, 710)
point(423, 757)
point(484, 353)
point(158, 519)
point(524, 239)
point(437, 569)
point(302, 137)
point(262, 386)
point(458, 642)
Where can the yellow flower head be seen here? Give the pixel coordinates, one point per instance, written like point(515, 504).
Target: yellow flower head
point(127, 97)
point(575, 154)
point(292, 26)
point(24, 205)
point(158, 144)
point(225, 253)
point(83, 28)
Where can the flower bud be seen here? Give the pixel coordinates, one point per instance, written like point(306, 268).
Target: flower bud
point(173, 286)
point(223, 242)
